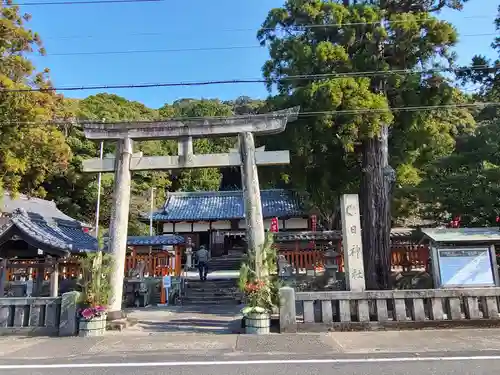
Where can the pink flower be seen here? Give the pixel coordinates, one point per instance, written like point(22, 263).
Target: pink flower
point(100, 309)
point(87, 313)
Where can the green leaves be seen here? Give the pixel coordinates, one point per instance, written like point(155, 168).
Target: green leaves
point(31, 151)
point(373, 60)
point(261, 293)
point(96, 271)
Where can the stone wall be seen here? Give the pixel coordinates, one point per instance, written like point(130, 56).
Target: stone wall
point(344, 310)
point(39, 316)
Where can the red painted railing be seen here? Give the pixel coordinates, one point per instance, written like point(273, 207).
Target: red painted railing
point(157, 265)
point(404, 257)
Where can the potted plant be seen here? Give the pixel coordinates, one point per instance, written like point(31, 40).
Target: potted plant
point(260, 289)
point(96, 290)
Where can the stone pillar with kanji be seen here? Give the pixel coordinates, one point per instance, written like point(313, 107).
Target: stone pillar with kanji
point(352, 244)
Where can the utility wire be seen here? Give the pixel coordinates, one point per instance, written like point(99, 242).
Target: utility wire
point(194, 49)
point(85, 2)
point(174, 50)
point(154, 34)
point(254, 80)
point(400, 109)
point(267, 115)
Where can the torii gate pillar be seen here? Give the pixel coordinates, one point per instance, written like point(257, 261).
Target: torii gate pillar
point(251, 199)
point(119, 223)
point(184, 130)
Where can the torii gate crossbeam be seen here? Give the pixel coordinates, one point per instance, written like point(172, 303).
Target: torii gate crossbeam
point(124, 162)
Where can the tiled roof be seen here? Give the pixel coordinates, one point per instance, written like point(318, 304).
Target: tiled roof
point(226, 205)
point(42, 207)
point(54, 236)
point(155, 240)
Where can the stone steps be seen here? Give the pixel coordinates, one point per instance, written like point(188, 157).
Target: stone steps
point(224, 265)
point(211, 302)
point(208, 285)
point(230, 262)
point(211, 283)
point(216, 292)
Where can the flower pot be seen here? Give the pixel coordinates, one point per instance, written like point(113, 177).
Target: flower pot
point(92, 327)
point(257, 323)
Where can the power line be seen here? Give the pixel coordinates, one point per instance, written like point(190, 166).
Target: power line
point(154, 34)
point(85, 2)
point(174, 50)
point(402, 109)
point(301, 114)
point(254, 80)
point(195, 49)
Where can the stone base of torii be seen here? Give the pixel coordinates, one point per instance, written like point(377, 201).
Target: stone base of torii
point(184, 130)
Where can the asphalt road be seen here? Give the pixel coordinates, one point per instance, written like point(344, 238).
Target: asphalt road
point(380, 365)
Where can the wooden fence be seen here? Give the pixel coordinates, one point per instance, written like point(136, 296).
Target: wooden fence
point(157, 264)
point(402, 258)
point(161, 263)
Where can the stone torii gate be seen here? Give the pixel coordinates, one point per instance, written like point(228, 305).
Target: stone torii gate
point(184, 130)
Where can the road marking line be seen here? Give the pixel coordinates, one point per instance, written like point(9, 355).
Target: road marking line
point(250, 362)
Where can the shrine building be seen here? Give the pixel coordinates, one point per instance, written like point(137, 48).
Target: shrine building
point(216, 219)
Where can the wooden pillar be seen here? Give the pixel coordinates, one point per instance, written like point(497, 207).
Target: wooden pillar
point(40, 276)
point(54, 280)
point(178, 261)
point(3, 276)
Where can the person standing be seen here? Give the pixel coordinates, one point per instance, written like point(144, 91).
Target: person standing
point(202, 254)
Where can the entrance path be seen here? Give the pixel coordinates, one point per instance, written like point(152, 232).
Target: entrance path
point(218, 319)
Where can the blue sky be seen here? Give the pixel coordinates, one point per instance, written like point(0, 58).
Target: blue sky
point(179, 24)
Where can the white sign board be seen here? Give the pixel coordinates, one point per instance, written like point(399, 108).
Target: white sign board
point(352, 243)
point(465, 267)
point(167, 282)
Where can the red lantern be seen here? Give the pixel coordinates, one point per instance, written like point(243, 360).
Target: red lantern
point(314, 223)
point(274, 225)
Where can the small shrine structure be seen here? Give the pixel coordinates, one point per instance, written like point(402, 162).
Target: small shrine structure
point(37, 242)
point(162, 255)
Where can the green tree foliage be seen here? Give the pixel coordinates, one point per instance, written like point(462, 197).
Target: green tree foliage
point(466, 183)
point(207, 178)
point(31, 151)
point(444, 164)
point(75, 192)
point(340, 144)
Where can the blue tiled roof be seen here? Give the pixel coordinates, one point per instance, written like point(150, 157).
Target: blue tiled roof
point(155, 240)
point(61, 236)
point(226, 205)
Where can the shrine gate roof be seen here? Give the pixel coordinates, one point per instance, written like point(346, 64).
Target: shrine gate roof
point(226, 205)
point(53, 235)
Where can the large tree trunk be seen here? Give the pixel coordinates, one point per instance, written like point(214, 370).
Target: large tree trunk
point(376, 185)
